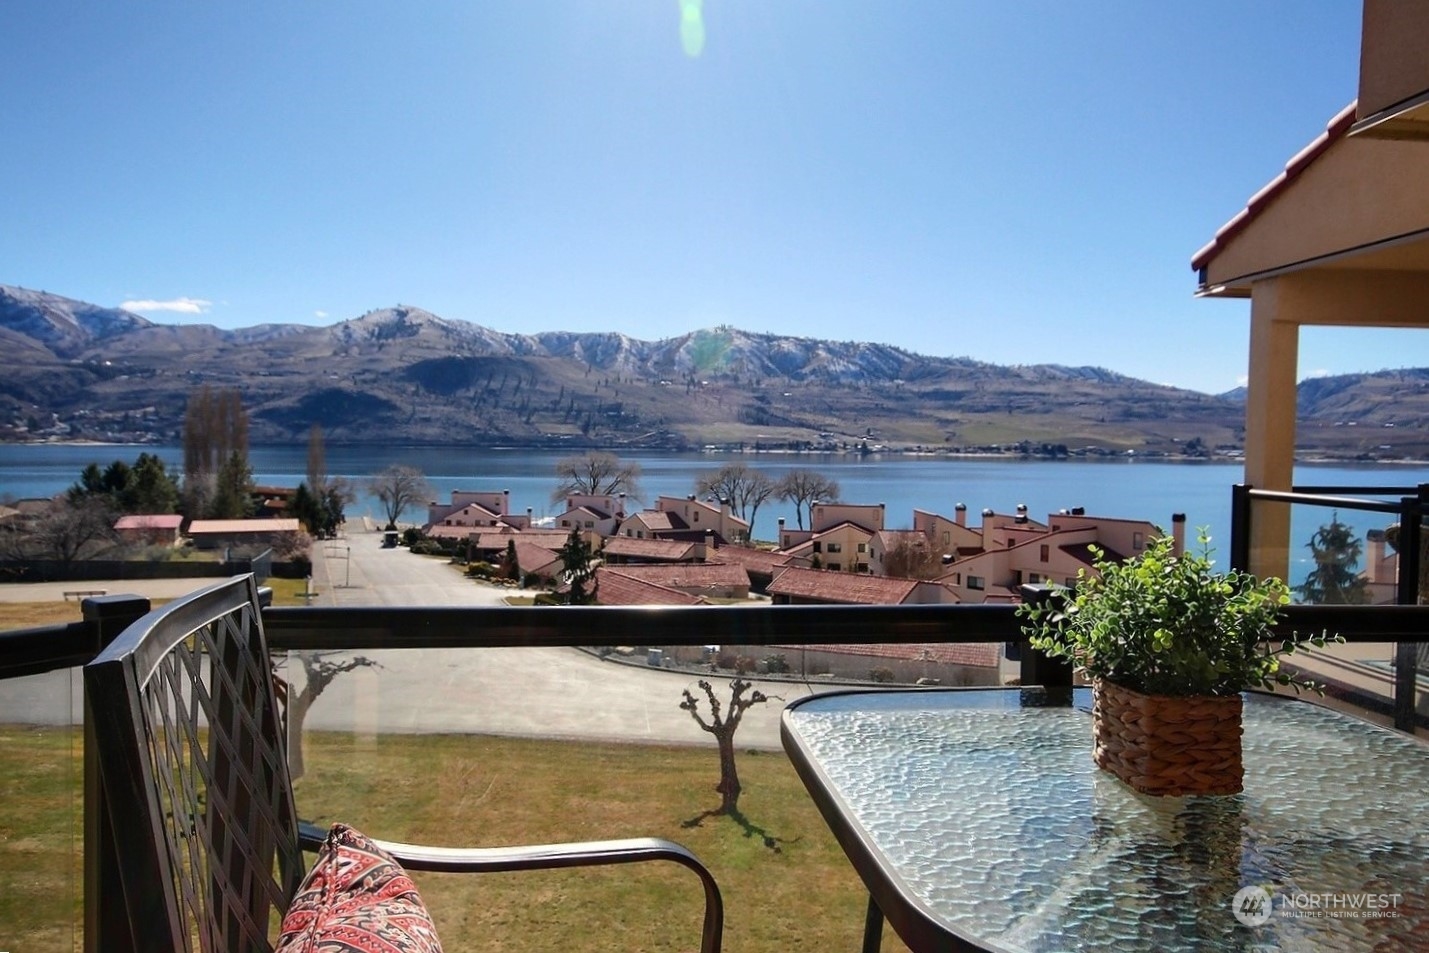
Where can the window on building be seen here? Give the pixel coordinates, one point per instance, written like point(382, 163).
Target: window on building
point(1138, 540)
point(818, 546)
point(863, 547)
point(1033, 578)
point(1045, 552)
point(975, 582)
point(946, 539)
point(836, 547)
point(863, 567)
point(1071, 582)
point(834, 567)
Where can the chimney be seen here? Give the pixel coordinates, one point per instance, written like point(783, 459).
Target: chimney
point(1178, 533)
point(1374, 549)
point(1079, 511)
point(960, 514)
point(704, 546)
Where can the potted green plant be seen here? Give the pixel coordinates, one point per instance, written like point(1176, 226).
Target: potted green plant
point(1169, 643)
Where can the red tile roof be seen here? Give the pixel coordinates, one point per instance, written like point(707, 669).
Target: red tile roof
point(150, 521)
point(1336, 129)
point(663, 550)
point(758, 560)
point(618, 589)
point(687, 575)
point(841, 587)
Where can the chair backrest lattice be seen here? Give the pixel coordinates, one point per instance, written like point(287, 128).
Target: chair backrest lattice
point(195, 776)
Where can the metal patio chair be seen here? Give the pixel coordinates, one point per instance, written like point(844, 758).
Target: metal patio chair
point(206, 839)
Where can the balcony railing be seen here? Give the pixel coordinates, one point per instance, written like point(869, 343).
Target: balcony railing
point(1404, 508)
point(58, 649)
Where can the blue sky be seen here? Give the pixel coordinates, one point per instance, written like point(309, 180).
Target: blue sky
point(1015, 182)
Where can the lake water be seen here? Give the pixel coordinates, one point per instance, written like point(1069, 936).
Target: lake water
point(1123, 488)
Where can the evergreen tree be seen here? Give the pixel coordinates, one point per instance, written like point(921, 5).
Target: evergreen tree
point(576, 561)
point(1335, 578)
point(510, 565)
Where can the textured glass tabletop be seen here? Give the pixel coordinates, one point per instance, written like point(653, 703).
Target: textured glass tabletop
point(978, 817)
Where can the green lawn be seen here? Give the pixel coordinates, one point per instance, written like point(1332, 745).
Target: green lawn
point(786, 884)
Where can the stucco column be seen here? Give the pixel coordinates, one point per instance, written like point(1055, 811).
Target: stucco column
point(1270, 421)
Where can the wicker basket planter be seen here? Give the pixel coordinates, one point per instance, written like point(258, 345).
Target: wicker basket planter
point(1168, 745)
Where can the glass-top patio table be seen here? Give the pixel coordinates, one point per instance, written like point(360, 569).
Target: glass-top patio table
point(978, 821)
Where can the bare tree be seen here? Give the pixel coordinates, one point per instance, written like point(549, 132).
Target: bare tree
point(215, 448)
point(804, 488)
point(70, 531)
point(912, 557)
point(319, 671)
point(317, 461)
point(596, 473)
point(399, 487)
point(723, 728)
point(743, 486)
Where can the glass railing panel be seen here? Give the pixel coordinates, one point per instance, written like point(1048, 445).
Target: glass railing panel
point(491, 747)
point(41, 813)
point(1344, 555)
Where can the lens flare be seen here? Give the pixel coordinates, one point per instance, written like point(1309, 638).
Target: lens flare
point(692, 27)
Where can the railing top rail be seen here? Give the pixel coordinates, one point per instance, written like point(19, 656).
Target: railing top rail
point(47, 648)
point(388, 627)
point(1340, 502)
point(1336, 490)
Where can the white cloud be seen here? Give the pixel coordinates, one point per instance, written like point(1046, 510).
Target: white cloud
point(319, 314)
point(181, 305)
point(1243, 380)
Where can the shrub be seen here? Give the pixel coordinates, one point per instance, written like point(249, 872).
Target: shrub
point(480, 570)
point(881, 675)
point(744, 664)
point(776, 664)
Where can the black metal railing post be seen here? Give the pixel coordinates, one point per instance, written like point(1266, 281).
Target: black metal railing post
point(1037, 667)
point(1406, 660)
point(106, 926)
point(1240, 527)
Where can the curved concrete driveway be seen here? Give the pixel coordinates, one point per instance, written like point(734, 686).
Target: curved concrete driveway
point(552, 692)
point(547, 692)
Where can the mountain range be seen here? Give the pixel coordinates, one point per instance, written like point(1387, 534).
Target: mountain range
point(74, 370)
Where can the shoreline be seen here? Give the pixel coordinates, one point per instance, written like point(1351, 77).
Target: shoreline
point(1316, 458)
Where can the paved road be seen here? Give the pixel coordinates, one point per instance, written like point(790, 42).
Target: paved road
point(559, 692)
point(554, 692)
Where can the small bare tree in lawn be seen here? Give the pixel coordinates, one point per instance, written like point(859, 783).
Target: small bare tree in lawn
point(723, 728)
point(319, 670)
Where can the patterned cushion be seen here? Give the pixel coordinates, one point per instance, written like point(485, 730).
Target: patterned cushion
point(357, 898)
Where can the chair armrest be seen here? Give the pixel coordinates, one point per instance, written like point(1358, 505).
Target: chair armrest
point(551, 857)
